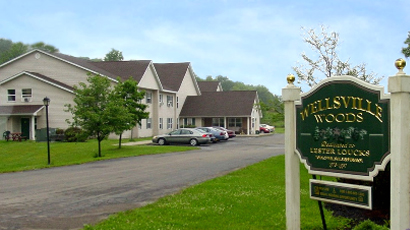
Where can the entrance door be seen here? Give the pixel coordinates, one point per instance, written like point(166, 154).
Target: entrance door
point(25, 127)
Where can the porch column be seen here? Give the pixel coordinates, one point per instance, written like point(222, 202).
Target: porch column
point(249, 125)
point(32, 134)
point(291, 94)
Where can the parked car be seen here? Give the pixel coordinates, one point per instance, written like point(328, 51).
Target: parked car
point(264, 129)
point(231, 133)
point(213, 138)
point(217, 133)
point(270, 127)
point(184, 136)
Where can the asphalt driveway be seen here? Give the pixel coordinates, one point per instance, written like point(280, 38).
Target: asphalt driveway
point(69, 197)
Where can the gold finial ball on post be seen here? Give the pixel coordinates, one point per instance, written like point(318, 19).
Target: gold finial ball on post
point(290, 78)
point(400, 64)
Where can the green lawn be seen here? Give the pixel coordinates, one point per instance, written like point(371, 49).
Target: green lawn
point(251, 198)
point(28, 155)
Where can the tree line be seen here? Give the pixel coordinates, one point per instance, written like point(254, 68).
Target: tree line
point(10, 50)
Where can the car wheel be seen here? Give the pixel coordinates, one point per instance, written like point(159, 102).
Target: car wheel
point(193, 142)
point(161, 141)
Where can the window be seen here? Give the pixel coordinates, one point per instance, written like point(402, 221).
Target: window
point(218, 122)
point(26, 95)
point(169, 123)
point(11, 95)
point(149, 122)
point(160, 123)
point(170, 101)
point(177, 102)
point(148, 97)
point(189, 121)
point(235, 122)
point(161, 98)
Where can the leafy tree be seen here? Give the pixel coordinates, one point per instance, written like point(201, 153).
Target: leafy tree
point(327, 61)
point(5, 45)
point(94, 111)
point(126, 93)
point(114, 55)
point(10, 49)
point(406, 50)
point(44, 47)
point(15, 50)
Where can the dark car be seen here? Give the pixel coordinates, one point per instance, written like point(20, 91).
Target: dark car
point(184, 136)
point(217, 133)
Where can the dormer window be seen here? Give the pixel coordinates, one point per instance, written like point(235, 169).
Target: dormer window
point(26, 95)
point(11, 95)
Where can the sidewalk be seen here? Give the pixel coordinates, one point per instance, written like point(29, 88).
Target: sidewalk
point(138, 142)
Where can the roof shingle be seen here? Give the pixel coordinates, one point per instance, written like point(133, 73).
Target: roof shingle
point(19, 109)
point(171, 74)
point(208, 86)
point(220, 104)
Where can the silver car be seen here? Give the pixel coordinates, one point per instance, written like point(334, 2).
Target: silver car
point(183, 136)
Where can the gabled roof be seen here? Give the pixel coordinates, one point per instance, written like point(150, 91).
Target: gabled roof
point(220, 104)
point(125, 69)
point(20, 109)
point(42, 78)
point(208, 86)
point(171, 74)
point(83, 63)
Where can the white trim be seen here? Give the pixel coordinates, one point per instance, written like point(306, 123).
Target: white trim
point(58, 58)
point(36, 77)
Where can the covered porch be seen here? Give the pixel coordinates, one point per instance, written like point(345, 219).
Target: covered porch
point(20, 119)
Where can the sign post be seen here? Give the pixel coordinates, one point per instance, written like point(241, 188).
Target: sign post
point(399, 87)
point(290, 94)
point(341, 128)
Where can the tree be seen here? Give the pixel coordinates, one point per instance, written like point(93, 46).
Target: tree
point(328, 62)
point(44, 47)
point(406, 50)
point(94, 111)
point(126, 93)
point(114, 55)
point(15, 50)
point(5, 45)
point(10, 50)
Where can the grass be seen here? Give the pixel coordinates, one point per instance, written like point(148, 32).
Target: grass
point(250, 198)
point(29, 155)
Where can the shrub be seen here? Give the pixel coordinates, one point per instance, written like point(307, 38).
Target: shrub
point(59, 131)
point(369, 225)
point(381, 200)
point(75, 134)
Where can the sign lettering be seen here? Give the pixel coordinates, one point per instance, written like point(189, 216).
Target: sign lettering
point(342, 129)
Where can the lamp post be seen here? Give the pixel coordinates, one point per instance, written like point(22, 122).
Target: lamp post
point(46, 102)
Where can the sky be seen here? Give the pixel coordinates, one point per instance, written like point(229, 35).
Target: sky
point(256, 42)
